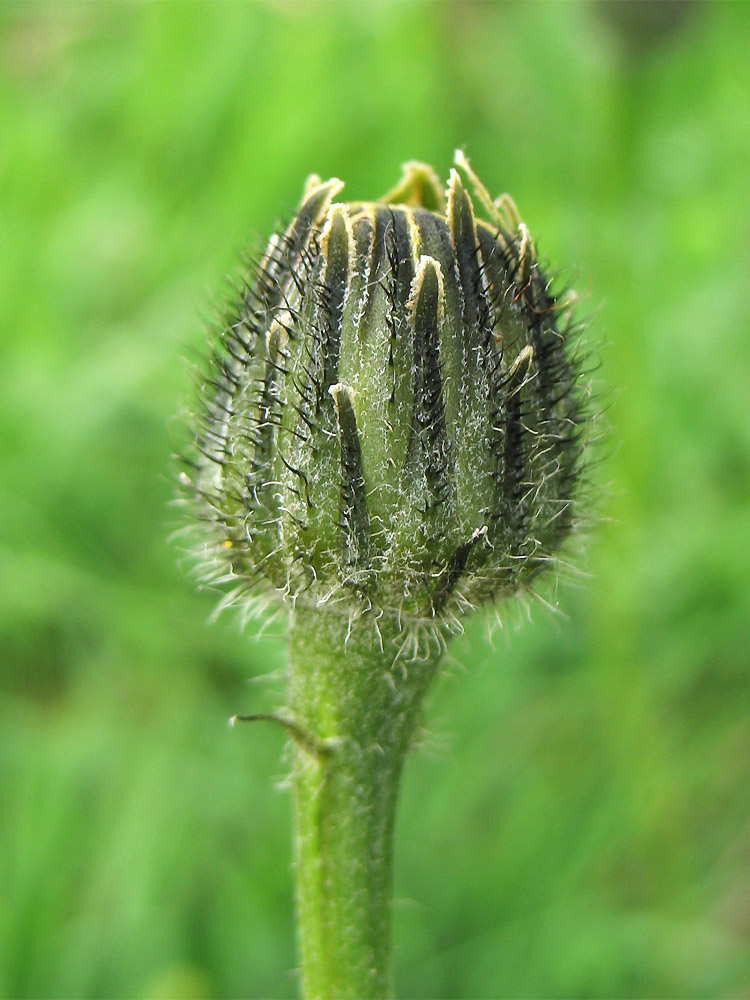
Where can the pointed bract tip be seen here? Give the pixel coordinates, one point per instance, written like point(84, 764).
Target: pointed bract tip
point(427, 288)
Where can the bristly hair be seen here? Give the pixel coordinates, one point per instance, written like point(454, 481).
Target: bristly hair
point(397, 414)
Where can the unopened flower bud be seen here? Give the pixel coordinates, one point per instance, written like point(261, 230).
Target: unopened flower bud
point(393, 416)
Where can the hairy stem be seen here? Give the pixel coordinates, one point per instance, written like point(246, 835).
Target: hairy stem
point(360, 703)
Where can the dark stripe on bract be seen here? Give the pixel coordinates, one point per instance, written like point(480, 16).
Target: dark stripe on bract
point(428, 423)
point(365, 269)
point(504, 437)
point(453, 571)
point(399, 249)
point(378, 260)
point(508, 390)
point(515, 486)
point(307, 380)
point(436, 242)
point(556, 450)
point(319, 351)
point(400, 257)
point(268, 409)
point(393, 269)
point(332, 295)
point(539, 459)
point(355, 521)
point(498, 268)
point(555, 382)
point(463, 232)
point(477, 484)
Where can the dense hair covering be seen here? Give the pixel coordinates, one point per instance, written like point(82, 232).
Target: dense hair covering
point(395, 415)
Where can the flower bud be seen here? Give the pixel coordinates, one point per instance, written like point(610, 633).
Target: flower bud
point(393, 417)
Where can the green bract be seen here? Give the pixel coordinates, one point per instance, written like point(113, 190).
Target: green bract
point(393, 417)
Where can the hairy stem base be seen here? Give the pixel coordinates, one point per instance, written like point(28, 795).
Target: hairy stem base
point(349, 689)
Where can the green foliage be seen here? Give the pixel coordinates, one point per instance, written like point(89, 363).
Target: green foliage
point(587, 830)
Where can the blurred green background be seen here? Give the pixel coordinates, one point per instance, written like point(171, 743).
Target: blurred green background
point(577, 820)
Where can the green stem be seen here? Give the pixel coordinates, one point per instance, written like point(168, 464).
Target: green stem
point(361, 703)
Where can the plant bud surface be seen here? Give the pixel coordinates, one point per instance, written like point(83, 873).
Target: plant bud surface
point(394, 417)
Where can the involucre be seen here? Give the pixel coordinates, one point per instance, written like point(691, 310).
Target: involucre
point(394, 419)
